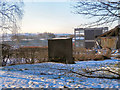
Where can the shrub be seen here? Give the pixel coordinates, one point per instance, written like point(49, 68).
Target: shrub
point(82, 54)
point(29, 55)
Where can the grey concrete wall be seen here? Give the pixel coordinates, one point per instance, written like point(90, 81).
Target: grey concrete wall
point(60, 50)
point(89, 45)
point(90, 35)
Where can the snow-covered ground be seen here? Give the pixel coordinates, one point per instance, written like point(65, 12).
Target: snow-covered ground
point(53, 75)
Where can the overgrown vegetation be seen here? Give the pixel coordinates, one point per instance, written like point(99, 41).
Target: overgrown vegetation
point(40, 54)
point(26, 55)
point(82, 54)
point(6, 53)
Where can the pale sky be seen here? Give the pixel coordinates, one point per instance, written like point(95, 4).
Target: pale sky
point(53, 16)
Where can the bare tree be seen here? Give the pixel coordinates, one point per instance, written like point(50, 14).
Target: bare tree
point(106, 11)
point(11, 13)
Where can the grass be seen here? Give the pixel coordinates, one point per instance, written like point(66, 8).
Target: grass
point(82, 54)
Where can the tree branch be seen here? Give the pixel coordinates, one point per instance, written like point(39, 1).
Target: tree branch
point(99, 8)
point(90, 76)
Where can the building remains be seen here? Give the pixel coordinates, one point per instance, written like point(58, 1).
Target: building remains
point(110, 39)
point(85, 37)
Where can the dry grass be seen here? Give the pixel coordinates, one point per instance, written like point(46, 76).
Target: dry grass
point(30, 55)
point(82, 54)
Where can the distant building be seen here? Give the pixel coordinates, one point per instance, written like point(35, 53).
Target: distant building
point(85, 37)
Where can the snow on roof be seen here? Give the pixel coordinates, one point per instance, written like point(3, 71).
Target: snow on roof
point(60, 38)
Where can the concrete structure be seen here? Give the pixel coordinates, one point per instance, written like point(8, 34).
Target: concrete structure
point(110, 39)
point(85, 37)
point(60, 50)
